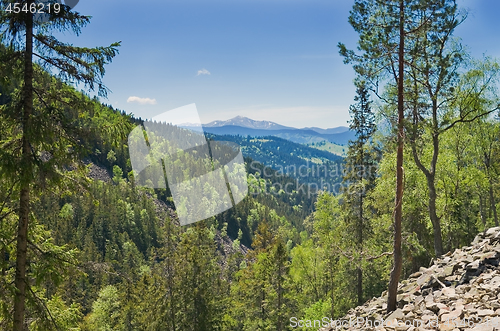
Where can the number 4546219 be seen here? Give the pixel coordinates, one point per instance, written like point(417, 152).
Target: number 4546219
point(34, 8)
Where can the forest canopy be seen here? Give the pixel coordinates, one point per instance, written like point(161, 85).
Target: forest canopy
point(83, 246)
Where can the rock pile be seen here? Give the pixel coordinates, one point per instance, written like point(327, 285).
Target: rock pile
point(97, 172)
point(459, 291)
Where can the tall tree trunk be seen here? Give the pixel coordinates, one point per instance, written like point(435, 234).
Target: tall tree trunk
point(436, 222)
point(431, 183)
point(360, 249)
point(170, 269)
point(25, 176)
point(398, 210)
point(492, 202)
point(332, 285)
point(279, 326)
point(430, 175)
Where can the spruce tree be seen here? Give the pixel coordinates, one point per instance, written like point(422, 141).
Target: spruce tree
point(50, 138)
point(360, 177)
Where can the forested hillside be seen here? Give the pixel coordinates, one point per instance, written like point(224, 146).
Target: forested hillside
point(319, 169)
point(85, 246)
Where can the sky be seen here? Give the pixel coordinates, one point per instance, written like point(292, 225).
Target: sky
point(274, 60)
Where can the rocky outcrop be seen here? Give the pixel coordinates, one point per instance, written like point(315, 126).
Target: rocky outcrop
point(459, 291)
point(97, 172)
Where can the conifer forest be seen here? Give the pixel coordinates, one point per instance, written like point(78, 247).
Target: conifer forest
point(84, 246)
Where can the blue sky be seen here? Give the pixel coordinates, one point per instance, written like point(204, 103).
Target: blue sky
point(271, 60)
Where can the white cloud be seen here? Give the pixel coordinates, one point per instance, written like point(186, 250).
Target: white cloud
point(142, 101)
point(203, 72)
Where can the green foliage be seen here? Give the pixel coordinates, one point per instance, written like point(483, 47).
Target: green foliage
point(111, 157)
point(117, 174)
point(105, 310)
point(316, 312)
point(50, 266)
point(262, 291)
point(61, 316)
point(108, 254)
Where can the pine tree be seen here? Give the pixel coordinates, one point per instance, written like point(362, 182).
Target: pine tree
point(384, 27)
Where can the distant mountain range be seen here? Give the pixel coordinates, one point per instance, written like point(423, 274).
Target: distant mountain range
point(245, 126)
point(246, 122)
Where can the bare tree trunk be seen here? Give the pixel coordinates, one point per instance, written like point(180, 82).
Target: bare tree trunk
point(279, 327)
point(492, 202)
point(170, 270)
point(431, 179)
point(398, 210)
point(436, 222)
point(25, 176)
point(360, 248)
point(360, 286)
point(332, 306)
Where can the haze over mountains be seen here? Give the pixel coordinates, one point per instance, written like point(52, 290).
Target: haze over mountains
point(245, 126)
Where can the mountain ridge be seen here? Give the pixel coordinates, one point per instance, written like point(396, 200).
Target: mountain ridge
point(247, 122)
point(300, 136)
point(245, 126)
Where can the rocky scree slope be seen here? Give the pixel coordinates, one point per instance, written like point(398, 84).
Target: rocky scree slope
point(459, 291)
